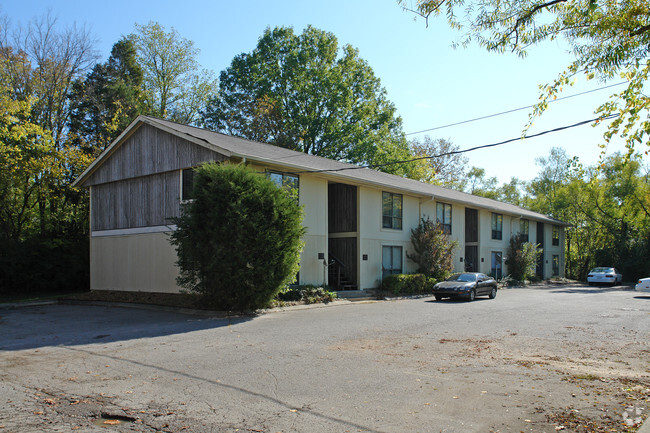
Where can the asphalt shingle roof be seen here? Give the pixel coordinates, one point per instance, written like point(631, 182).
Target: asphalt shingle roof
point(300, 162)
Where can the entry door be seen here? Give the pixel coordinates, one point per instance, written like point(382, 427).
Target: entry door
point(540, 258)
point(471, 258)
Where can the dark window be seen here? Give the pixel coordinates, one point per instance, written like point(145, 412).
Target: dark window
point(497, 226)
point(391, 260)
point(523, 230)
point(288, 181)
point(187, 185)
point(497, 267)
point(556, 236)
point(556, 265)
point(391, 211)
point(443, 216)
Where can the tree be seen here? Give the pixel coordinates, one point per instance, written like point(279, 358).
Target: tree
point(608, 38)
point(175, 86)
point(448, 169)
point(49, 61)
point(521, 259)
point(432, 250)
point(478, 184)
point(107, 99)
point(304, 93)
point(239, 240)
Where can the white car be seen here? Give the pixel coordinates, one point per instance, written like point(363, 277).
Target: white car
point(604, 275)
point(643, 285)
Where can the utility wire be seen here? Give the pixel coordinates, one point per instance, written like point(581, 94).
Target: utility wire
point(513, 110)
point(455, 152)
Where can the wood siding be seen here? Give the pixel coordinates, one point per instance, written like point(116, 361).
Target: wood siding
point(140, 202)
point(342, 208)
point(149, 151)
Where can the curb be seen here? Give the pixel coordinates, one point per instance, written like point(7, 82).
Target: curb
point(645, 427)
point(12, 305)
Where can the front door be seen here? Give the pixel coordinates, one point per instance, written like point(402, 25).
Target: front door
point(471, 258)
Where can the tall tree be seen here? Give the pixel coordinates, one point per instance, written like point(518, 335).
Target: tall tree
point(107, 99)
point(447, 168)
point(175, 86)
point(607, 37)
point(52, 59)
point(304, 93)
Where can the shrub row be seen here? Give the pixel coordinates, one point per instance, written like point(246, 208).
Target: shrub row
point(35, 266)
point(309, 294)
point(408, 284)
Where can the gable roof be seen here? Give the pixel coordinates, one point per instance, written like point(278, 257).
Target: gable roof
point(300, 163)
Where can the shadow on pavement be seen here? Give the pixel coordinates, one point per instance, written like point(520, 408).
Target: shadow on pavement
point(72, 325)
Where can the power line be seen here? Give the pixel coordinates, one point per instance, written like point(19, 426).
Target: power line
point(455, 152)
point(513, 110)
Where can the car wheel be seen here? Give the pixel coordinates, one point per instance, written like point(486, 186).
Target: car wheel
point(472, 295)
point(438, 297)
point(493, 293)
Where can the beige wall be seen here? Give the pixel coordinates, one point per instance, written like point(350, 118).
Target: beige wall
point(135, 262)
point(313, 198)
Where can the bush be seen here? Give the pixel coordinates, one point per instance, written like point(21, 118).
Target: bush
point(433, 251)
point(239, 241)
point(309, 294)
point(521, 259)
point(43, 266)
point(408, 284)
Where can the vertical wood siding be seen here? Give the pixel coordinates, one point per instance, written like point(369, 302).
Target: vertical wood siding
point(149, 151)
point(139, 202)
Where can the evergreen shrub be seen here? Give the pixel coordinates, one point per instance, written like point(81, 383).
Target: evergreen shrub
point(239, 240)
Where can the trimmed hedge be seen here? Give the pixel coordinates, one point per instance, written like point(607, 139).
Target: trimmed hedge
point(408, 284)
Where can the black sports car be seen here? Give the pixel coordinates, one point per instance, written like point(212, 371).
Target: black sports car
point(468, 285)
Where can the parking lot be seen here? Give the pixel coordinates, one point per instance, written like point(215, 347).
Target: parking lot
point(545, 359)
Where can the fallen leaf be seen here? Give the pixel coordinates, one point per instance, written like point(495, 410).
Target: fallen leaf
point(74, 402)
point(38, 412)
point(293, 410)
point(111, 422)
point(49, 401)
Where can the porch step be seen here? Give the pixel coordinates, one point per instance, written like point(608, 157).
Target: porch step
point(357, 295)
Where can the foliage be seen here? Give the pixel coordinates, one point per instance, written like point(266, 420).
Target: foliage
point(175, 86)
point(608, 208)
point(521, 259)
point(447, 170)
point(608, 38)
point(432, 249)
point(106, 100)
point(408, 284)
point(308, 294)
point(36, 266)
point(304, 93)
point(239, 240)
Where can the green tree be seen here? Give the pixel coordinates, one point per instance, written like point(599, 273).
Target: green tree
point(432, 250)
point(239, 240)
point(521, 259)
point(478, 184)
point(608, 38)
point(304, 93)
point(107, 99)
point(175, 86)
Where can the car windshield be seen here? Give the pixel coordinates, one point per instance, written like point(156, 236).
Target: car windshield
point(468, 278)
point(601, 270)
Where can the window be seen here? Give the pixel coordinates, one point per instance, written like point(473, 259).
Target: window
point(287, 180)
point(187, 184)
point(391, 211)
point(497, 267)
point(556, 265)
point(523, 230)
point(556, 236)
point(443, 216)
point(391, 260)
point(497, 226)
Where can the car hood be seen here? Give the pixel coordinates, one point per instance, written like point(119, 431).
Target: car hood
point(453, 284)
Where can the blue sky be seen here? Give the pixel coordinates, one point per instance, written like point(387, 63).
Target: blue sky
point(430, 83)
